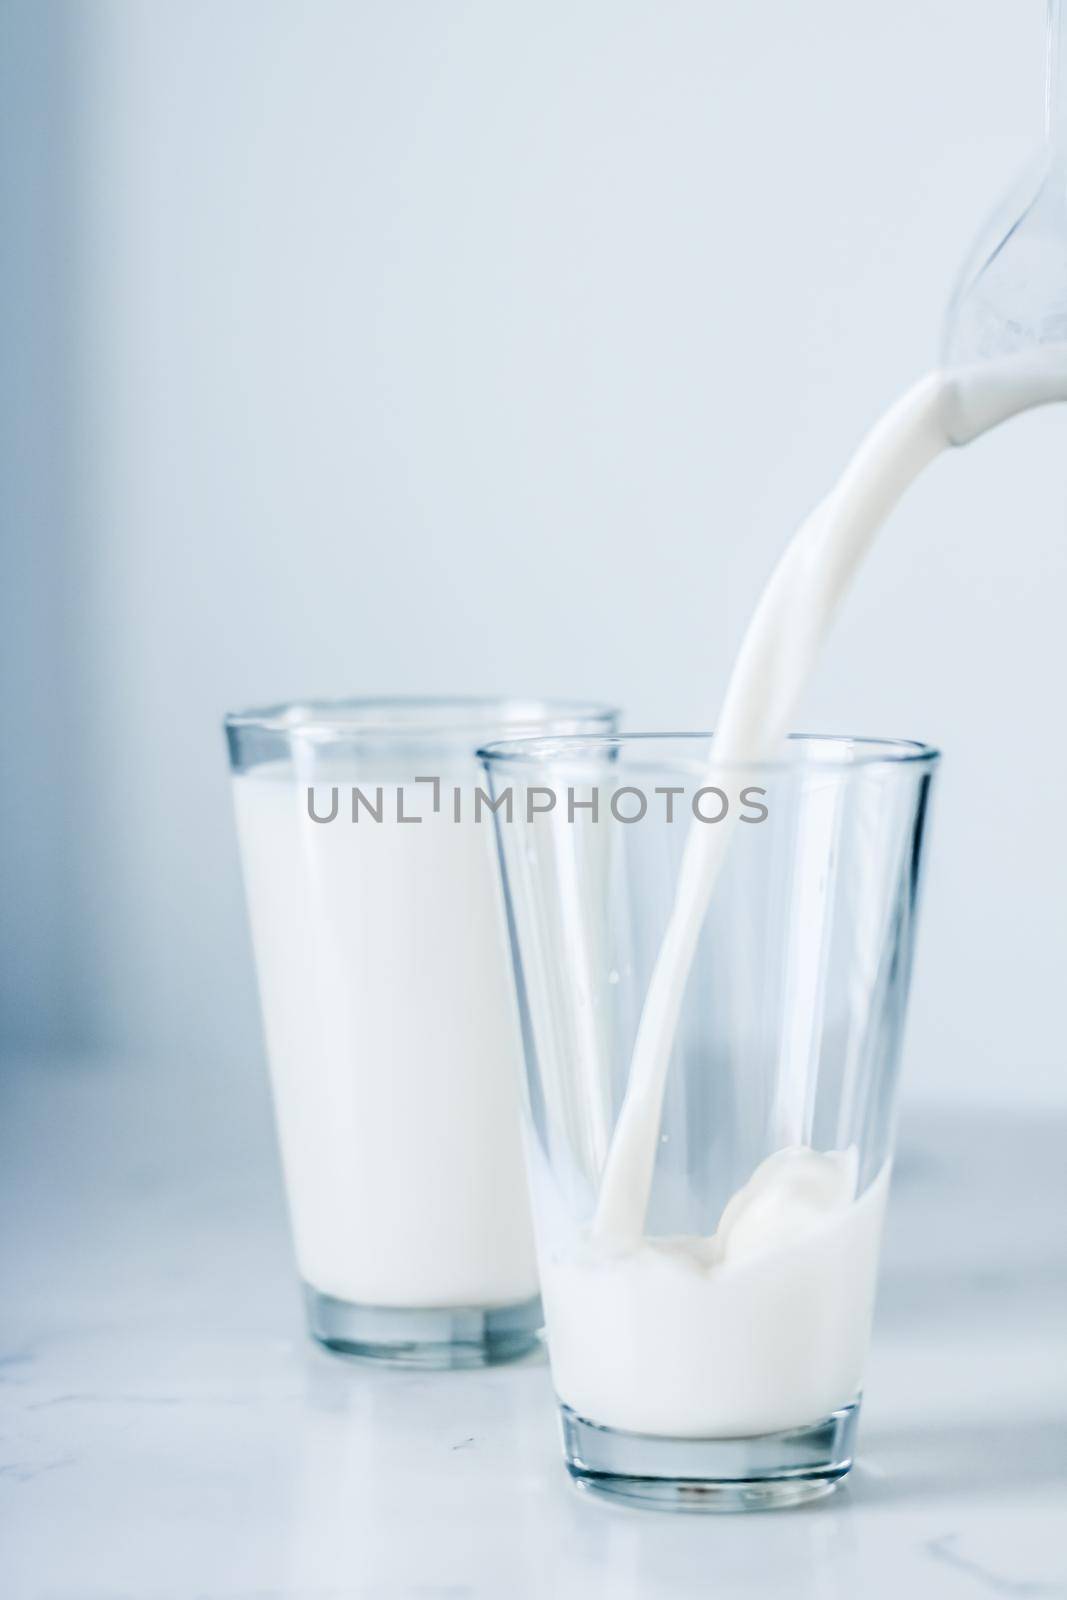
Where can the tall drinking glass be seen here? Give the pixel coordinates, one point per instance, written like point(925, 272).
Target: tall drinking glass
point(390, 1017)
point(708, 1212)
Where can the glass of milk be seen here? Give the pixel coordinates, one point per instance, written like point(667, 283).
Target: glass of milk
point(389, 1008)
point(709, 1160)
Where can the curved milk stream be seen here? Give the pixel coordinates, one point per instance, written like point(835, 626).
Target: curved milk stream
point(764, 1324)
point(778, 653)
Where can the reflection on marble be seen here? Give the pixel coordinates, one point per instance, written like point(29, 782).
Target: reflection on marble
point(169, 1434)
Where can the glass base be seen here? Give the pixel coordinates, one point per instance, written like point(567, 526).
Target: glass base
point(452, 1336)
point(762, 1473)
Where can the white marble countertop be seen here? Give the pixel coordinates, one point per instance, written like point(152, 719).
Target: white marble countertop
point(169, 1433)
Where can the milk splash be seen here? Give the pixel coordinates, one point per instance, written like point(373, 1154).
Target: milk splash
point(776, 659)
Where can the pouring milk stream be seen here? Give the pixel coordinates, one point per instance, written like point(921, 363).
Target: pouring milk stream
point(1007, 352)
point(713, 1322)
point(777, 656)
point(796, 1248)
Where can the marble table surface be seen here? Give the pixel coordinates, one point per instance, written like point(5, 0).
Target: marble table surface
point(169, 1433)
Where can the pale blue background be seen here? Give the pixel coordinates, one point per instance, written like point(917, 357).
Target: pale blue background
point(425, 344)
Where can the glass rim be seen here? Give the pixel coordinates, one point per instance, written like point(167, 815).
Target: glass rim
point(864, 752)
point(359, 716)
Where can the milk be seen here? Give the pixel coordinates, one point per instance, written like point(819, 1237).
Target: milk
point(781, 646)
point(751, 1330)
point(762, 1325)
point(393, 1043)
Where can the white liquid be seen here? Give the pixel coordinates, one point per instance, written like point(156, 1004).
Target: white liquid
point(394, 1047)
point(764, 1325)
point(784, 639)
